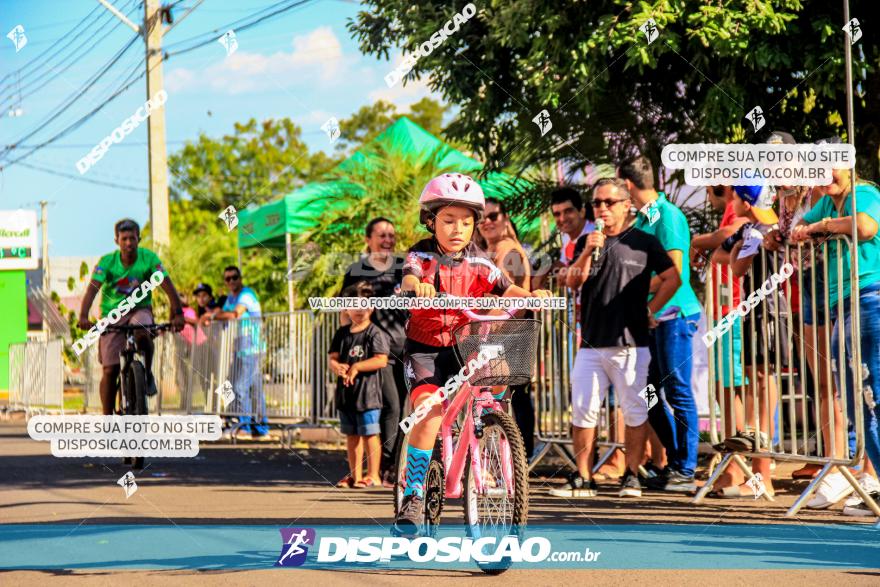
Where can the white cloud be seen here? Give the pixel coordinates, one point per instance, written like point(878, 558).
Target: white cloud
point(316, 55)
point(316, 118)
point(402, 95)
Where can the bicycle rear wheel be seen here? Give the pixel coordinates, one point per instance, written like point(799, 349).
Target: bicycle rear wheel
point(497, 510)
point(134, 390)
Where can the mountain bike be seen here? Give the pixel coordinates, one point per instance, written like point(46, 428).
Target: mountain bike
point(133, 373)
point(479, 455)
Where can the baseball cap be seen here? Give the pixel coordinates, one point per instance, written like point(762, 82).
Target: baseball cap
point(760, 198)
point(203, 287)
point(780, 137)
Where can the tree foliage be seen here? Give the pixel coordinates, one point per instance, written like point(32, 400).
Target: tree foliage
point(369, 121)
point(609, 92)
point(256, 164)
point(387, 190)
point(263, 161)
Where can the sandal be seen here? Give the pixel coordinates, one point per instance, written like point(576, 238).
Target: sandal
point(365, 483)
point(746, 441)
point(346, 482)
point(806, 472)
point(735, 491)
point(730, 492)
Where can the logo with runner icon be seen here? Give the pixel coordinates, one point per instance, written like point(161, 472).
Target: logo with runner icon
point(295, 547)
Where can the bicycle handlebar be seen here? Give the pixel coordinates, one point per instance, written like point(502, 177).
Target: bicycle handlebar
point(132, 327)
point(469, 313)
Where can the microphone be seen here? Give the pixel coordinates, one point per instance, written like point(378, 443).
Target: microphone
point(600, 226)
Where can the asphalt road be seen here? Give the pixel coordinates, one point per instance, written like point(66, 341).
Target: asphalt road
point(261, 484)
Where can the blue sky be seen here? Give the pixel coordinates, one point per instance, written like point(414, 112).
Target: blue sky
point(301, 65)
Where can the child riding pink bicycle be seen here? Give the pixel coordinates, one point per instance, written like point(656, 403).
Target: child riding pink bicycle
point(449, 262)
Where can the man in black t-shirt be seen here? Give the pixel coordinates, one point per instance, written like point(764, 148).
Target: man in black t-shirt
point(615, 318)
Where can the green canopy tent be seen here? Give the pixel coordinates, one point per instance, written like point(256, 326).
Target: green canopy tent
point(278, 223)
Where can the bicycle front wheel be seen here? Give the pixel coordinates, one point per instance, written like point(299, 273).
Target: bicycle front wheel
point(501, 507)
point(134, 389)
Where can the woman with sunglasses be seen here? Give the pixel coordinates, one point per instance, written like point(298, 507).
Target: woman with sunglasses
point(502, 244)
point(833, 214)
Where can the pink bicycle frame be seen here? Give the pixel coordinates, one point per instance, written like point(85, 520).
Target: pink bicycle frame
point(454, 458)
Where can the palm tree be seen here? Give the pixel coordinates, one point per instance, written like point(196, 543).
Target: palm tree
point(379, 182)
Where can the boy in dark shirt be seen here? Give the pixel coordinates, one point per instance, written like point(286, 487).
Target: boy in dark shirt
point(766, 321)
point(357, 353)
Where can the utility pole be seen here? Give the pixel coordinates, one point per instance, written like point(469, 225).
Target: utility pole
point(44, 228)
point(152, 31)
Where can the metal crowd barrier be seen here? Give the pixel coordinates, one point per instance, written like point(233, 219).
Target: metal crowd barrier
point(276, 365)
point(557, 346)
point(36, 376)
point(801, 428)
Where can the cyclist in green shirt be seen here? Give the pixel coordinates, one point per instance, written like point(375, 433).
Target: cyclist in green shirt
point(121, 277)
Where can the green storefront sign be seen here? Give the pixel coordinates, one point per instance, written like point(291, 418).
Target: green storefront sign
point(18, 246)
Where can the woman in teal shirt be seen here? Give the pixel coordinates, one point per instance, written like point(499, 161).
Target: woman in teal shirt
point(834, 214)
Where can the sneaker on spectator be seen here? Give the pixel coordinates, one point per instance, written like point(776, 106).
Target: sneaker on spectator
point(832, 489)
point(658, 481)
point(576, 486)
point(653, 470)
point(869, 484)
point(860, 509)
point(680, 483)
point(630, 485)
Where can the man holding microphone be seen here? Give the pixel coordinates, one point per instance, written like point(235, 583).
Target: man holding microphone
point(613, 268)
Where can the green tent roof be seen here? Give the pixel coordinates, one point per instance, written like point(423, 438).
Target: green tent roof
point(300, 210)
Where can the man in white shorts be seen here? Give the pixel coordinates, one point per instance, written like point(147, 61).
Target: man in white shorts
point(615, 319)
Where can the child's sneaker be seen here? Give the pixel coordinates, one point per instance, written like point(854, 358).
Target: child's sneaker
point(408, 523)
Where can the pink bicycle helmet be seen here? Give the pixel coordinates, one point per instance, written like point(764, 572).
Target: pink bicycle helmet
point(451, 189)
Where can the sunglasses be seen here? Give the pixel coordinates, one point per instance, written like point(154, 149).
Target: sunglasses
point(228, 278)
point(493, 216)
point(606, 203)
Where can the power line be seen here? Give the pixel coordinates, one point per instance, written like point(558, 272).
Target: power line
point(69, 33)
point(239, 25)
point(249, 23)
point(18, 90)
point(88, 146)
point(84, 178)
point(77, 123)
point(79, 94)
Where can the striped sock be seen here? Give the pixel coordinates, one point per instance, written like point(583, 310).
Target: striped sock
point(417, 461)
